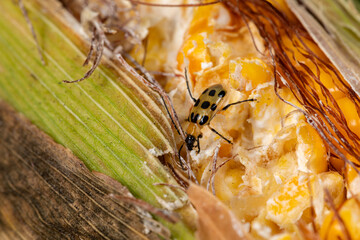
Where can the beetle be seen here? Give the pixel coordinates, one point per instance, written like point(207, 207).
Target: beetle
point(203, 111)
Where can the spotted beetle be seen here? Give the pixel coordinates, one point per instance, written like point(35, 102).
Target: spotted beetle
point(204, 110)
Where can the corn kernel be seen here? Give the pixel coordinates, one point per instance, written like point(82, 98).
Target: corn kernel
point(337, 163)
point(353, 180)
point(295, 54)
point(327, 79)
point(228, 181)
point(332, 229)
point(282, 236)
point(282, 6)
point(287, 205)
point(311, 151)
point(334, 183)
point(248, 73)
point(350, 113)
point(196, 52)
point(202, 20)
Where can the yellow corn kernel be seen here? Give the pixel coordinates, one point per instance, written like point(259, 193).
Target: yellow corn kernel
point(282, 6)
point(352, 118)
point(228, 181)
point(267, 114)
point(287, 205)
point(353, 179)
point(248, 205)
point(337, 163)
point(265, 117)
point(295, 54)
point(332, 229)
point(334, 183)
point(211, 76)
point(263, 228)
point(311, 151)
point(283, 170)
point(283, 143)
point(282, 236)
point(248, 73)
point(327, 80)
point(196, 52)
point(202, 20)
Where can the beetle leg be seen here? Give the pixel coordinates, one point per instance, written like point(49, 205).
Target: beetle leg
point(220, 135)
point(198, 144)
point(179, 153)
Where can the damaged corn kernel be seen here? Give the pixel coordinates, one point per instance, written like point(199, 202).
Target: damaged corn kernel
point(275, 173)
point(345, 224)
point(246, 74)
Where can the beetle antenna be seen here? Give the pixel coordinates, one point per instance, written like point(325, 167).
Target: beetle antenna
point(188, 86)
point(232, 104)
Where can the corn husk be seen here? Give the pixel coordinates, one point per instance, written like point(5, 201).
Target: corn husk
point(112, 122)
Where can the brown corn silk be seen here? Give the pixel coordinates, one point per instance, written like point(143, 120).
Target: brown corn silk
point(319, 107)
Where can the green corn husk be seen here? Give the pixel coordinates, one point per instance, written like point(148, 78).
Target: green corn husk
point(109, 120)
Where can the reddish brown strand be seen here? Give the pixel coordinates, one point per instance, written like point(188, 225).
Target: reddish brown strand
point(175, 5)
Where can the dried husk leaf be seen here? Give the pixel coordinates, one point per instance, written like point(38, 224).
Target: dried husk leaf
point(48, 193)
point(215, 220)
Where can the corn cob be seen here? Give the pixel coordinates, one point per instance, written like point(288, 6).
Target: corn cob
point(279, 172)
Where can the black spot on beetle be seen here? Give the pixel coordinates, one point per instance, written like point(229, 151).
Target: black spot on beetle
point(203, 120)
point(213, 107)
point(194, 118)
point(205, 105)
point(222, 93)
point(212, 93)
point(197, 102)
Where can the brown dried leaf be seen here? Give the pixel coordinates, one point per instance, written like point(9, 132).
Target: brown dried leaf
point(215, 220)
point(48, 193)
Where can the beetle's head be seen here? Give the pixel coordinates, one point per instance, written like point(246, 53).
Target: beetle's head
point(190, 142)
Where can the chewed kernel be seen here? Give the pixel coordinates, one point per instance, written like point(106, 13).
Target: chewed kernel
point(228, 181)
point(311, 150)
point(196, 52)
point(201, 21)
point(219, 52)
point(334, 183)
point(353, 179)
point(248, 73)
point(287, 205)
point(348, 228)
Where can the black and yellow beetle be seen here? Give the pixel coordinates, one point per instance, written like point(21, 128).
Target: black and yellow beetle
point(204, 110)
